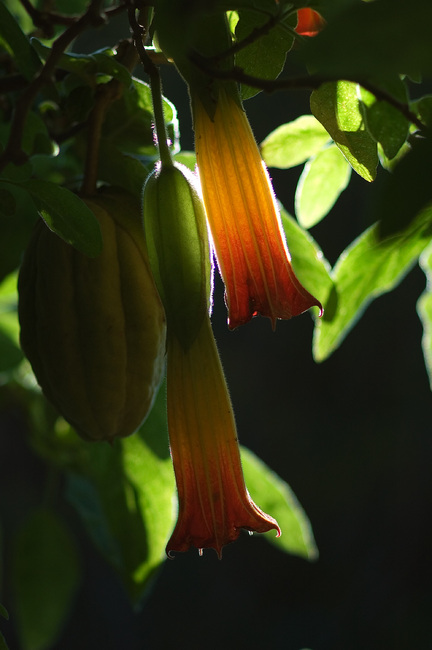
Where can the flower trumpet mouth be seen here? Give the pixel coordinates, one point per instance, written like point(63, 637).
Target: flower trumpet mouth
point(243, 216)
point(214, 504)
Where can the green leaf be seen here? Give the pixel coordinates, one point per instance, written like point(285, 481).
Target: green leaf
point(129, 122)
point(309, 263)
point(121, 170)
point(83, 495)
point(8, 294)
point(36, 139)
point(423, 109)
point(3, 644)
point(369, 267)
point(265, 57)
point(323, 179)
point(293, 143)
point(17, 173)
point(336, 106)
point(67, 215)
point(276, 498)
point(424, 310)
point(20, 15)
point(385, 123)
point(4, 614)
point(125, 499)
point(186, 158)
point(10, 354)
point(370, 40)
point(15, 230)
point(17, 42)
point(88, 65)
point(45, 575)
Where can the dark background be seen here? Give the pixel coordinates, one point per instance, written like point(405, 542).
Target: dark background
point(352, 437)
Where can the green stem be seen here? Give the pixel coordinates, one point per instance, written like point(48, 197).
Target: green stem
point(156, 89)
point(162, 136)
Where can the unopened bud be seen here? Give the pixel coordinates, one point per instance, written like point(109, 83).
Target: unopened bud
point(178, 248)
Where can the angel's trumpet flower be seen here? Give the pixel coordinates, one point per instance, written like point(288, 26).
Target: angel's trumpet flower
point(243, 216)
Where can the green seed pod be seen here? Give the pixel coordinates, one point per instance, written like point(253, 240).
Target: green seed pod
point(178, 247)
point(94, 329)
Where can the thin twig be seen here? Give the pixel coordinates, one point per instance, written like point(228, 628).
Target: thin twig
point(311, 82)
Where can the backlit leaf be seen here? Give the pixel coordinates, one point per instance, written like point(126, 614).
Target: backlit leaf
point(100, 62)
point(45, 574)
point(293, 143)
point(276, 497)
point(67, 215)
point(385, 123)
point(122, 170)
point(369, 267)
point(424, 310)
point(129, 122)
point(265, 57)
point(309, 263)
point(17, 42)
point(336, 106)
point(125, 497)
point(323, 179)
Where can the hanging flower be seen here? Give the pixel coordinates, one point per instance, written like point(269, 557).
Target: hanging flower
point(214, 504)
point(309, 22)
point(244, 219)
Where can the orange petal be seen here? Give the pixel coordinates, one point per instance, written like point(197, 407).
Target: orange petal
point(244, 220)
point(214, 504)
point(309, 23)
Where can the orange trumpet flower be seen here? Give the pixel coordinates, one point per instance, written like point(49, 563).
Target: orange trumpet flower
point(243, 216)
point(214, 504)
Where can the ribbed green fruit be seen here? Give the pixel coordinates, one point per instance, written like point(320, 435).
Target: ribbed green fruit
point(94, 329)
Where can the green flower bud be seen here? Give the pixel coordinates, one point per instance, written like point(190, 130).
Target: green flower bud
point(178, 248)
